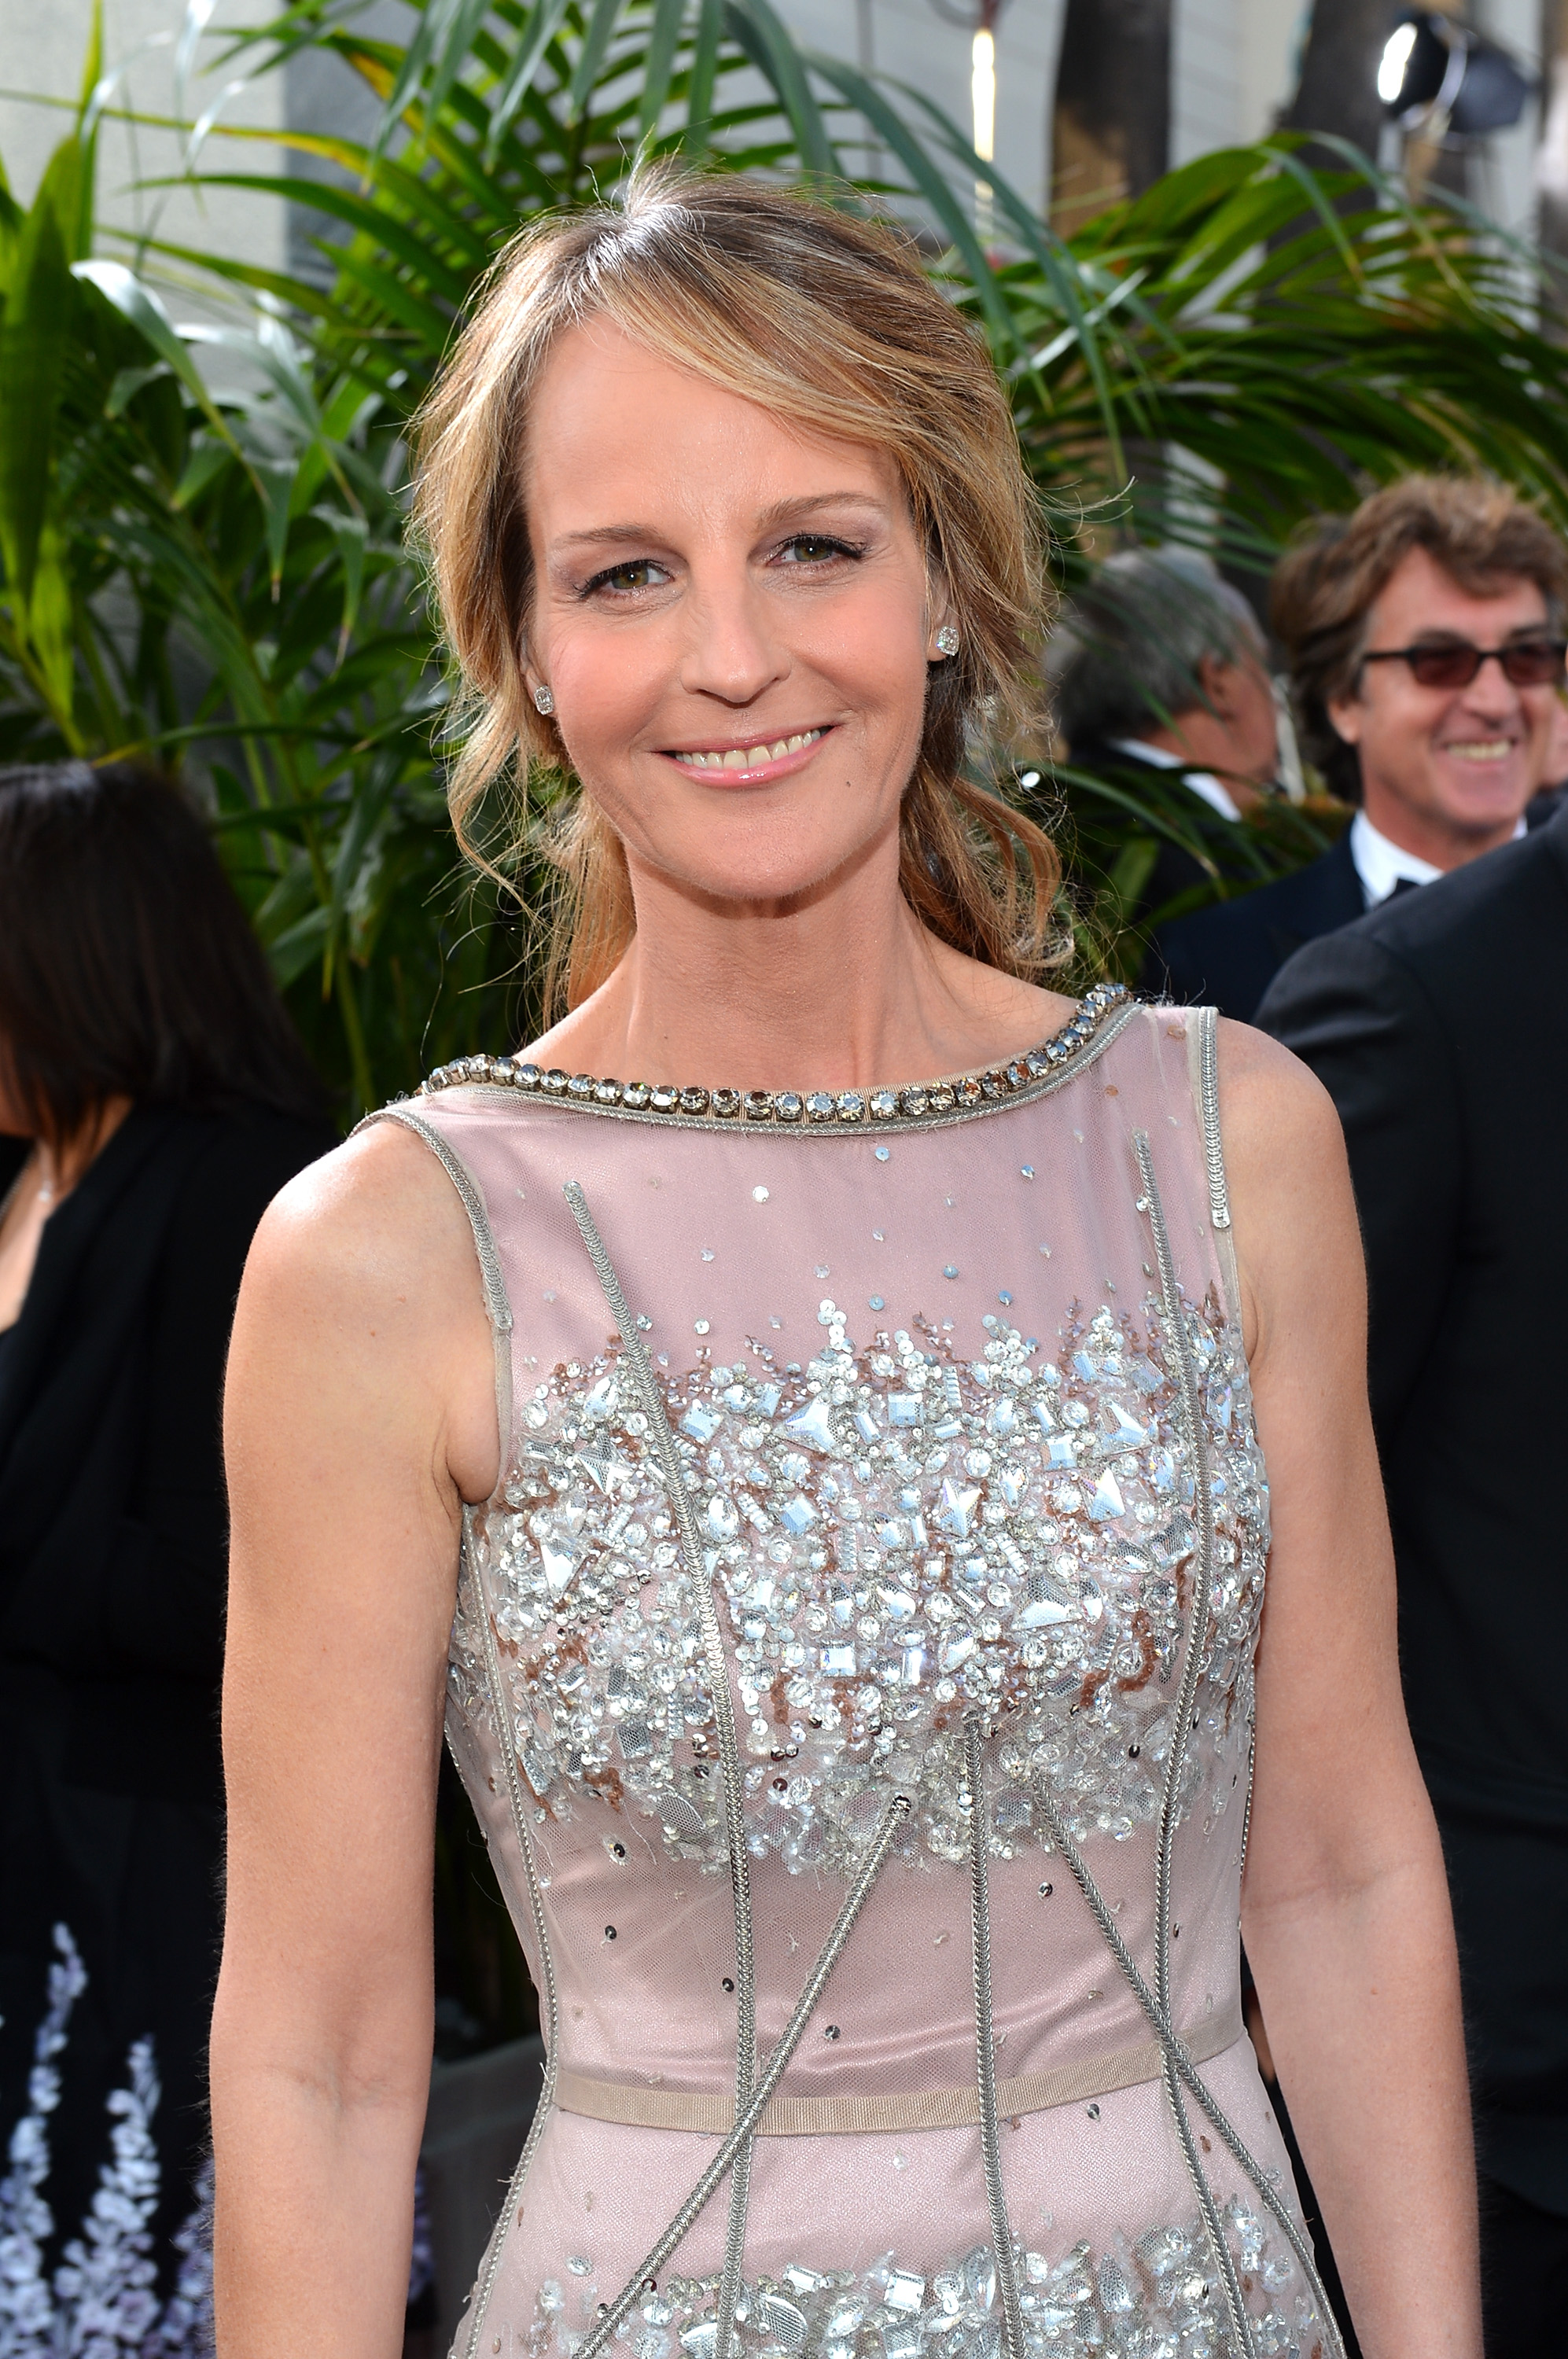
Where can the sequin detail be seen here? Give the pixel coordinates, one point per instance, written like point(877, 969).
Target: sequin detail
point(1153, 2297)
point(897, 1536)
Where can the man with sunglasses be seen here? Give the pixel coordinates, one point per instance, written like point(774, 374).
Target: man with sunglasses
point(1425, 646)
point(1439, 1024)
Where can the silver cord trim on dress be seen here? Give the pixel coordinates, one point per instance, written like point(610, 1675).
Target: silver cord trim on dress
point(1219, 1213)
point(1198, 1618)
point(1207, 1044)
point(772, 2074)
point(491, 2263)
point(1197, 1634)
point(1209, 1098)
point(985, 2049)
point(729, 1749)
point(496, 1302)
point(1180, 2056)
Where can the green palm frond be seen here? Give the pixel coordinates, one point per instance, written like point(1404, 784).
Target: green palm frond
point(1246, 342)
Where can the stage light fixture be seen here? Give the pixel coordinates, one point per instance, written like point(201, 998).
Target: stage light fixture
point(1438, 76)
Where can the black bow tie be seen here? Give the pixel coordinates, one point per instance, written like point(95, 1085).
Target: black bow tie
point(1404, 885)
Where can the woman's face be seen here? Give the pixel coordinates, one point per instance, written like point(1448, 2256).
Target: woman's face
point(733, 618)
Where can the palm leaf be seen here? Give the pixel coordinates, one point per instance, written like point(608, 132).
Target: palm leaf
point(1293, 331)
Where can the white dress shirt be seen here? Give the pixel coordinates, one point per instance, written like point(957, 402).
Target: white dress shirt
point(1202, 782)
point(1381, 864)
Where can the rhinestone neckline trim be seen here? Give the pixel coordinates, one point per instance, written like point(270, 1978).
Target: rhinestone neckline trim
point(919, 1103)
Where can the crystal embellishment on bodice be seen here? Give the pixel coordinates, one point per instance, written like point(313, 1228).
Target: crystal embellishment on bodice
point(1148, 2297)
point(898, 1537)
point(910, 1105)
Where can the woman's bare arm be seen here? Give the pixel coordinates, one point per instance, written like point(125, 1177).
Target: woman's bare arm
point(1346, 1911)
point(360, 1413)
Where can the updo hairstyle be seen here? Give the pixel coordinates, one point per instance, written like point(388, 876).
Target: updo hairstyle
point(820, 317)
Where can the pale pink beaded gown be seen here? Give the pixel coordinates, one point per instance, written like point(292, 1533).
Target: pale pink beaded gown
point(853, 1675)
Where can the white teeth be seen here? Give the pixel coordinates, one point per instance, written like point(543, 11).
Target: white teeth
point(1487, 749)
point(750, 757)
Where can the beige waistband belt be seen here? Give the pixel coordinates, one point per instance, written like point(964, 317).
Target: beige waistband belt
point(932, 2109)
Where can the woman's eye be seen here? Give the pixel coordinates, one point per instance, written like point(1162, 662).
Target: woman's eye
point(813, 549)
point(637, 573)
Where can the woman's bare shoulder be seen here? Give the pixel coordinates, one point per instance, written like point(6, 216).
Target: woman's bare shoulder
point(1270, 1100)
point(363, 1313)
point(375, 1225)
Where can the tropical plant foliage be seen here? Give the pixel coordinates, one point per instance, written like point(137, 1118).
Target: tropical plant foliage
point(223, 578)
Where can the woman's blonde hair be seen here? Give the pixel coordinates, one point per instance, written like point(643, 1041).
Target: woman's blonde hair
point(819, 316)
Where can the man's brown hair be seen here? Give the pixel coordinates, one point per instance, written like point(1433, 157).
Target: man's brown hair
point(1326, 584)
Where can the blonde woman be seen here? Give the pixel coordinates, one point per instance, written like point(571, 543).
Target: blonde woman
point(820, 1474)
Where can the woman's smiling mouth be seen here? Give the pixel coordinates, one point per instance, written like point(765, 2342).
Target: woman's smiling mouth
point(767, 758)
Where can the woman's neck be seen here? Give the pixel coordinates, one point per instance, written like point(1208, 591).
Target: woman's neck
point(844, 989)
point(50, 1172)
point(55, 1167)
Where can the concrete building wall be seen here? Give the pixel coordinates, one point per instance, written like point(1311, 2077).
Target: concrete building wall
point(1503, 172)
point(1233, 66)
point(909, 41)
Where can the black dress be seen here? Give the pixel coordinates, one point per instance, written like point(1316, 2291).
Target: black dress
point(112, 1568)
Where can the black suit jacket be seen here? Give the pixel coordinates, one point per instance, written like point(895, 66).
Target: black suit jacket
point(1175, 870)
point(1439, 1024)
point(1227, 956)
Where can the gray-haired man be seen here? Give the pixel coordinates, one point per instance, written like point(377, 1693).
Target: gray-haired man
point(1160, 665)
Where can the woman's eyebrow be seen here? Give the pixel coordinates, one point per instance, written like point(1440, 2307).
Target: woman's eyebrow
point(781, 512)
point(811, 503)
point(599, 533)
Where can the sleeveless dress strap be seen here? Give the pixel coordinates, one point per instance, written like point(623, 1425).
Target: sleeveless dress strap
point(1209, 1107)
point(1203, 1052)
point(498, 1304)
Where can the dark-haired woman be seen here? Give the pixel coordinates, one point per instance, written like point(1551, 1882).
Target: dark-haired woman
point(153, 1099)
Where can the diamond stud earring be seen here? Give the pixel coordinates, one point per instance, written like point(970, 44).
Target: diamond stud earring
point(947, 640)
point(544, 700)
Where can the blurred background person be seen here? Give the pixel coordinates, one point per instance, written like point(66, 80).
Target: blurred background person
point(1439, 1025)
point(1424, 641)
point(153, 1099)
point(1160, 665)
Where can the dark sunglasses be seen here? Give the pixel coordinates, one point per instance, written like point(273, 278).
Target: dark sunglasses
point(1527, 663)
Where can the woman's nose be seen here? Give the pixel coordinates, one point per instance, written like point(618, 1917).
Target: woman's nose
point(733, 651)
